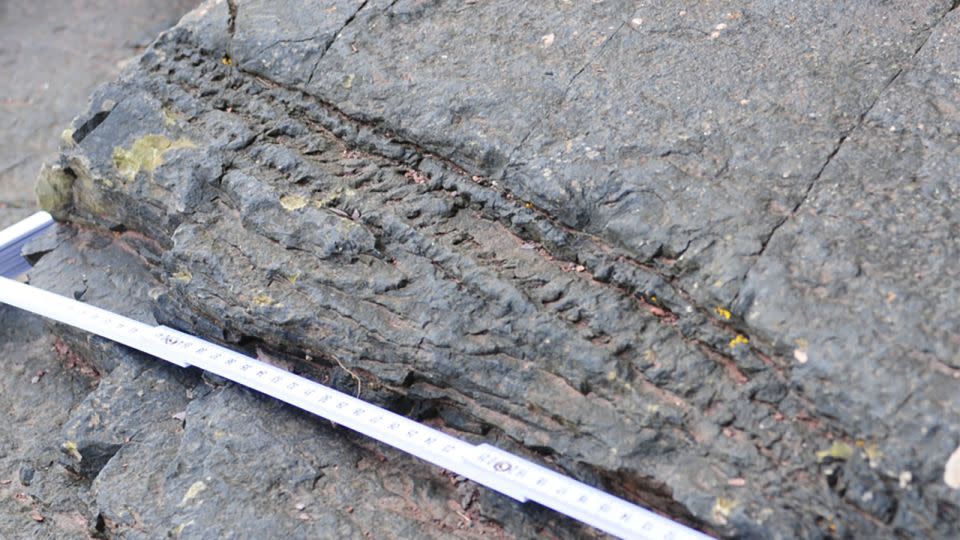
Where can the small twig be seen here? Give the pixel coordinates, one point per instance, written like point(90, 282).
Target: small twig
point(352, 374)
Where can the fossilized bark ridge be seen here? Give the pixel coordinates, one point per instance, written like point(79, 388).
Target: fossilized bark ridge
point(579, 245)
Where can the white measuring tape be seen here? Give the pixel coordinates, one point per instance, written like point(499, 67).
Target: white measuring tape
point(484, 464)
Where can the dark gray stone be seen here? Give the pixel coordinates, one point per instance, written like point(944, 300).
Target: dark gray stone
point(26, 475)
point(158, 450)
point(662, 247)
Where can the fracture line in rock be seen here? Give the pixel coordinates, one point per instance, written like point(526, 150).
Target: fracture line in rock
point(487, 465)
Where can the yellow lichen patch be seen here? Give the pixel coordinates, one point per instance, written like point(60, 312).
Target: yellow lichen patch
point(739, 340)
point(293, 202)
point(723, 312)
point(722, 509)
point(145, 154)
point(183, 275)
point(838, 450)
point(195, 489)
point(70, 448)
point(293, 278)
point(262, 300)
point(348, 81)
point(874, 454)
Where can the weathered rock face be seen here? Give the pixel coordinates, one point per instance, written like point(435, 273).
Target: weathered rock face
point(153, 450)
point(697, 255)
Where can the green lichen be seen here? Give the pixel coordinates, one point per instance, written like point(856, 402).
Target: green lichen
point(54, 189)
point(839, 451)
point(145, 154)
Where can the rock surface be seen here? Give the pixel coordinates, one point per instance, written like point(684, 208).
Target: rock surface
point(696, 255)
point(141, 449)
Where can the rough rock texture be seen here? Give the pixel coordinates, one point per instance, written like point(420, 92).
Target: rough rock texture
point(140, 449)
point(701, 256)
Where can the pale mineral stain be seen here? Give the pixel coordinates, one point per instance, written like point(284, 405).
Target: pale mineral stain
point(195, 489)
point(951, 473)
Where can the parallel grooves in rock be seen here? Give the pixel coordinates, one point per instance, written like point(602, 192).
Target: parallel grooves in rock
point(425, 213)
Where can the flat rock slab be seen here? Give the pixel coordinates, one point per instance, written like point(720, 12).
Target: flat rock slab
point(699, 256)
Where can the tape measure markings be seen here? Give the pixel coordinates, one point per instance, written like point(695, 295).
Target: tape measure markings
point(487, 465)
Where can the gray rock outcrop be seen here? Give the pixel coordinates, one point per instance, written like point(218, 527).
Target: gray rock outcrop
point(702, 256)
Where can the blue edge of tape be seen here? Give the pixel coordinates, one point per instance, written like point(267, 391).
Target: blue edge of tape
point(12, 263)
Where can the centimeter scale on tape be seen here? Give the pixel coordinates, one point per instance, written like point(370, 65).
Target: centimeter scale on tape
point(487, 465)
